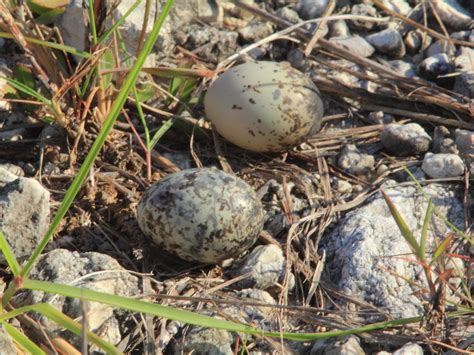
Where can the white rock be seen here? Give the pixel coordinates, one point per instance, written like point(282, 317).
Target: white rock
point(24, 211)
point(442, 165)
point(409, 349)
point(367, 243)
point(266, 264)
point(465, 144)
point(339, 28)
point(94, 271)
point(363, 10)
point(403, 68)
point(388, 41)
point(405, 140)
point(354, 161)
point(204, 341)
point(440, 46)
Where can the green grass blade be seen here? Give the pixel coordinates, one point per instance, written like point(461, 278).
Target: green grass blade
point(119, 22)
point(92, 23)
point(404, 229)
point(161, 131)
point(61, 319)
point(22, 340)
point(99, 142)
point(9, 255)
point(202, 320)
point(441, 249)
point(53, 45)
point(138, 105)
point(424, 230)
point(66, 322)
point(26, 90)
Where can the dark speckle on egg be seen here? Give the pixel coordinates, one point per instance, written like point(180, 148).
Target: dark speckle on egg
point(201, 215)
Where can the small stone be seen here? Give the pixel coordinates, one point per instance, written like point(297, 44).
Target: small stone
point(242, 13)
point(343, 186)
point(452, 13)
point(409, 349)
point(388, 42)
point(464, 84)
point(255, 31)
point(465, 144)
point(448, 146)
point(310, 9)
point(297, 59)
point(6, 342)
point(440, 133)
point(363, 10)
point(204, 341)
point(24, 208)
point(266, 264)
point(13, 169)
point(442, 165)
point(288, 14)
point(210, 11)
point(400, 6)
point(339, 28)
point(434, 66)
point(403, 68)
point(464, 60)
point(355, 44)
point(405, 140)
point(354, 161)
point(460, 35)
point(382, 169)
point(380, 117)
point(349, 345)
point(416, 41)
point(440, 46)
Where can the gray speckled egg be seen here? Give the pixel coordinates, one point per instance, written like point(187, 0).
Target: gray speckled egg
point(202, 215)
point(264, 106)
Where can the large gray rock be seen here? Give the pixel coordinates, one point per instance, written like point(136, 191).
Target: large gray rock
point(405, 140)
point(367, 255)
point(93, 271)
point(24, 211)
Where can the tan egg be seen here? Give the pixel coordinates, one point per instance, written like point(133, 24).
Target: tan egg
point(264, 106)
point(201, 215)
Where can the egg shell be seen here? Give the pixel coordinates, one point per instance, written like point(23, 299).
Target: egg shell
point(201, 215)
point(264, 106)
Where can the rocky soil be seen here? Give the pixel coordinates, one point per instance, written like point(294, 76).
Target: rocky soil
point(397, 83)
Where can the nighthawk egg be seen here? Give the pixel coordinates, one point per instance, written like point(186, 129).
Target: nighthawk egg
point(201, 215)
point(264, 106)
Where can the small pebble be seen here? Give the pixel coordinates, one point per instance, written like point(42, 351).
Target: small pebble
point(464, 60)
point(452, 14)
point(339, 28)
point(354, 161)
point(434, 66)
point(409, 349)
point(403, 68)
point(405, 140)
point(342, 186)
point(442, 165)
point(309, 9)
point(440, 133)
point(464, 84)
point(440, 46)
point(356, 45)
point(388, 42)
point(416, 41)
point(363, 10)
point(288, 14)
point(448, 146)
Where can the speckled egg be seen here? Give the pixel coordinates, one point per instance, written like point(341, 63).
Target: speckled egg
point(264, 106)
point(201, 215)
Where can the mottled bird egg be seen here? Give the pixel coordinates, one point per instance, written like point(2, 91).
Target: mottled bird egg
point(264, 106)
point(201, 215)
